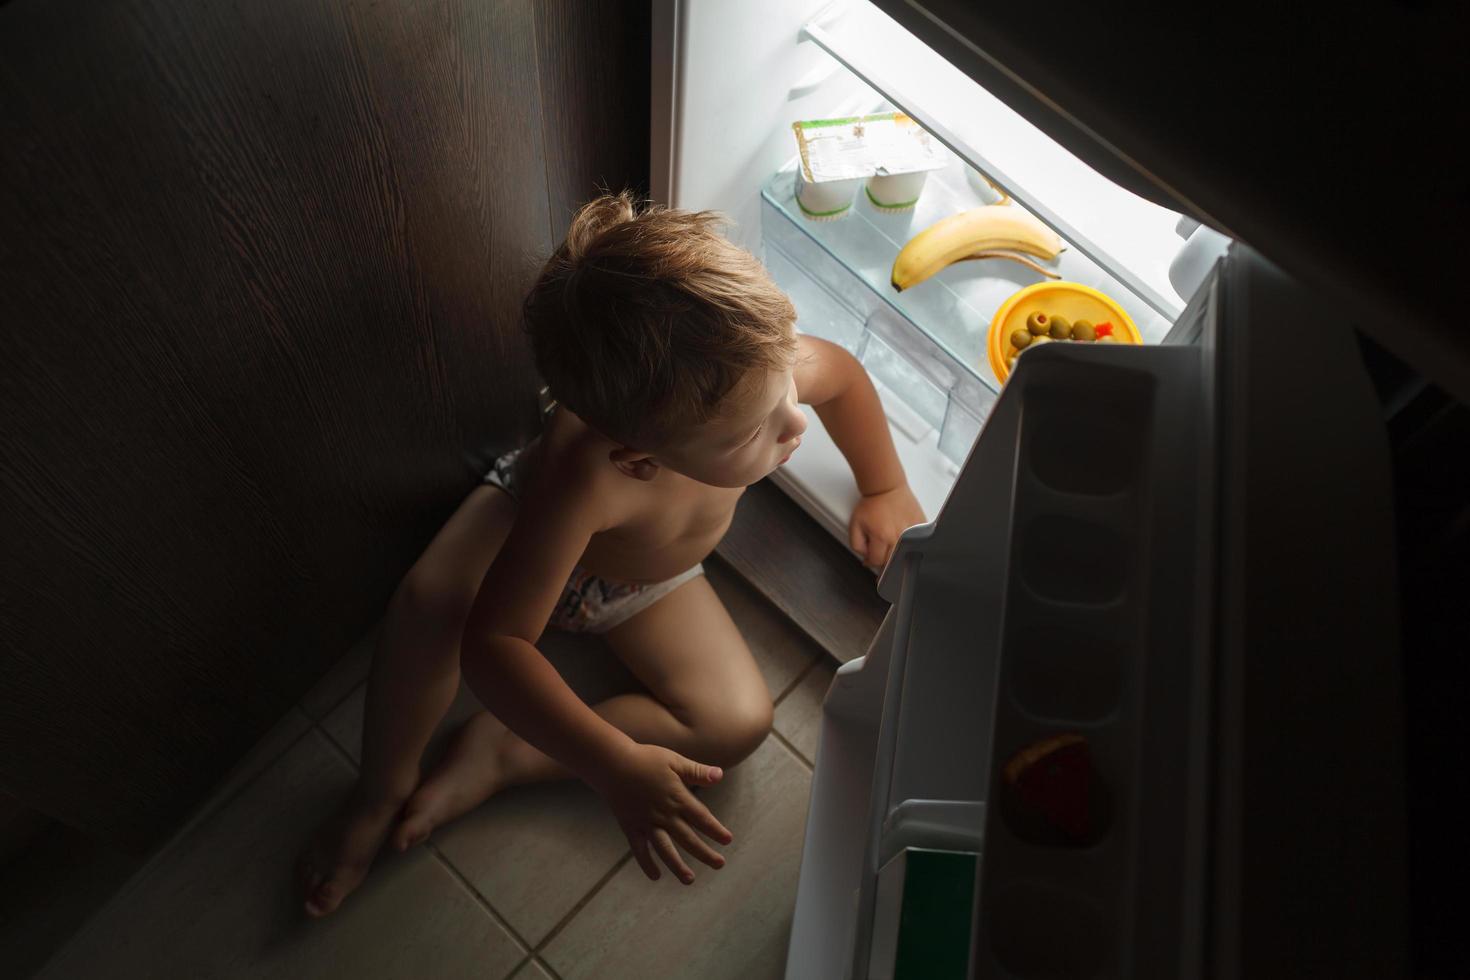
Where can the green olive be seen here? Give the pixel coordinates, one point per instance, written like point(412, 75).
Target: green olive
point(1038, 323)
point(1083, 330)
point(1020, 338)
point(1060, 328)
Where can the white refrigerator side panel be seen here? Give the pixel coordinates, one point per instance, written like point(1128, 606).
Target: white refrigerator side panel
point(728, 80)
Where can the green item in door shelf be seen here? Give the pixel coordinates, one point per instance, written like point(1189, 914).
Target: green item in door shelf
point(923, 915)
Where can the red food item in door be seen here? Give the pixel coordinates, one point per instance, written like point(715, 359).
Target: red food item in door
point(1104, 329)
point(1053, 779)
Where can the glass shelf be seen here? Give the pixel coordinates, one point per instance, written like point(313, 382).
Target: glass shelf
point(927, 343)
point(1115, 227)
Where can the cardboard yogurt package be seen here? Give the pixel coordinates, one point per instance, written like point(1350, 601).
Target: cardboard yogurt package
point(888, 152)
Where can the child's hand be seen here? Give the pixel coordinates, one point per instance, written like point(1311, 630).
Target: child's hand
point(878, 520)
point(656, 810)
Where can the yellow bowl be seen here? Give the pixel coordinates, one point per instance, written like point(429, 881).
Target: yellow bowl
point(1067, 299)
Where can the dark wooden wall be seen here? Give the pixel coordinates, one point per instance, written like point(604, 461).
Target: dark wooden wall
point(260, 266)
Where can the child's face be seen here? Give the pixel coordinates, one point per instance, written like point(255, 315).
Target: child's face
point(758, 430)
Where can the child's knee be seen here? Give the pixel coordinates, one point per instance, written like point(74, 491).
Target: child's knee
point(738, 727)
point(432, 599)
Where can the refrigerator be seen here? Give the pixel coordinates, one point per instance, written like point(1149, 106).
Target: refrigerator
point(1176, 560)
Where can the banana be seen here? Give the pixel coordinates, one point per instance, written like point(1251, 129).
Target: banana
point(991, 228)
point(1028, 263)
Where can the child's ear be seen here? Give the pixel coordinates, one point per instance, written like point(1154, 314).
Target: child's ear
point(638, 465)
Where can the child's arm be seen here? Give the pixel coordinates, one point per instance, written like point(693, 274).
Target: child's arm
point(644, 784)
point(498, 659)
point(833, 382)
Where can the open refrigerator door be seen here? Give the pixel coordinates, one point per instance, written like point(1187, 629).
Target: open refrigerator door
point(1062, 754)
point(1004, 712)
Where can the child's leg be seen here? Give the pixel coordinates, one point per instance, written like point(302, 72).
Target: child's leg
point(710, 703)
point(414, 677)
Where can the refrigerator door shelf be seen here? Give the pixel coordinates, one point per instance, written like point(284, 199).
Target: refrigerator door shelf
point(944, 825)
point(1031, 607)
point(1132, 238)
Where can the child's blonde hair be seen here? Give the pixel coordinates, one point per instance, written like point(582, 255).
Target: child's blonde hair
point(646, 318)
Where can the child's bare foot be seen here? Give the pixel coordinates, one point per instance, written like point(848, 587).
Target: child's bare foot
point(342, 849)
point(472, 771)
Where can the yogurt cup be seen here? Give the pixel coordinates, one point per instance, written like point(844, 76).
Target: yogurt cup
point(828, 200)
point(896, 192)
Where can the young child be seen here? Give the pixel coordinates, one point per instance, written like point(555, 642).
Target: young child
point(677, 370)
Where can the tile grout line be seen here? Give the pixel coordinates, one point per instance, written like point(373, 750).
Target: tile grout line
point(373, 633)
point(534, 950)
point(169, 846)
point(341, 749)
point(332, 709)
point(454, 872)
point(556, 930)
point(215, 806)
point(800, 756)
point(796, 681)
point(481, 900)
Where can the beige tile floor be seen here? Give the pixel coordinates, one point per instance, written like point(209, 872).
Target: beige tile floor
point(537, 884)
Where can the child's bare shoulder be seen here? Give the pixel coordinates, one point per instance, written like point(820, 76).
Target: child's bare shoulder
point(574, 475)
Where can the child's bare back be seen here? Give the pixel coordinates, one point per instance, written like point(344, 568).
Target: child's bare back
point(678, 371)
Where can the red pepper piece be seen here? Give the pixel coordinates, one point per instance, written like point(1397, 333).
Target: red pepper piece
point(1104, 329)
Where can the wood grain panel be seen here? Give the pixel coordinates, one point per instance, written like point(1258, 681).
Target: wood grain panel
point(261, 264)
point(594, 61)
